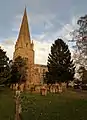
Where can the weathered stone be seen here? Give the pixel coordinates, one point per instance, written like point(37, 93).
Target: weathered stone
point(22, 87)
point(54, 88)
point(51, 89)
point(24, 47)
point(16, 87)
point(60, 89)
point(38, 89)
point(44, 91)
point(64, 86)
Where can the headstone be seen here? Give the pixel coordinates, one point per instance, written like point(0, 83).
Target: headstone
point(16, 87)
point(22, 87)
point(57, 87)
point(44, 91)
point(11, 86)
point(37, 89)
point(54, 89)
point(60, 89)
point(64, 86)
point(51, 89)
point(17, 93)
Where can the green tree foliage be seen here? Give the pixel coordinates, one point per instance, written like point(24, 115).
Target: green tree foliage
point(4, 68)
point(60, 66)
point(18, 70)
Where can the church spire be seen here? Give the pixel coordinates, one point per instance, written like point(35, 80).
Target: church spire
point(24, 30)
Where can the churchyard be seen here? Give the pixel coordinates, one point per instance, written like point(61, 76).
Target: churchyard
point(35, 93)
point(68, 105)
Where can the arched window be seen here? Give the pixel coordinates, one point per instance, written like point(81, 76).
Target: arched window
point(43, 70)
point(25, 58)
point(26, 44)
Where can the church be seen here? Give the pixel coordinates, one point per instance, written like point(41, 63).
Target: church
point(24, 47)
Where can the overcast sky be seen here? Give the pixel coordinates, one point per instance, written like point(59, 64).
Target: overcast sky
point(48, 20)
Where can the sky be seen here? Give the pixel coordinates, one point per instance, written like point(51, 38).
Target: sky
point(48, 20)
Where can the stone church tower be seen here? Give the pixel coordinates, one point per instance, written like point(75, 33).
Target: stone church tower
point(24, 47)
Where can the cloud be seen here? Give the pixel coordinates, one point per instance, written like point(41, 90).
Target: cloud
point(8, 42)
point(45, 23)
point(48, 20)
point(45, 40)
point(41, 52)
point(9, 49)
point(8, 46)
point(38, 23)
point(44, 29)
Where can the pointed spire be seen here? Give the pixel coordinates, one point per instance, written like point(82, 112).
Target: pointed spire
point(32, 44)
point(24, 30)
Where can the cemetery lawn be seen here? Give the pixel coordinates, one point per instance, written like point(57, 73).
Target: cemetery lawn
point(70, 105)
point(7, 106)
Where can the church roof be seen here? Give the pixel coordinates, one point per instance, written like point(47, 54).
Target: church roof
point(24, 29)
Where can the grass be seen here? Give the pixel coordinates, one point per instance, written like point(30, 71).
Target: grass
point(70, 105)
point(7, 106)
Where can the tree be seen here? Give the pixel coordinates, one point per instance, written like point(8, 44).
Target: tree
point(83, 74)
point(81, 40)
point(82, 35)
point(18, 70)
point(4, 68)
point(60, 66)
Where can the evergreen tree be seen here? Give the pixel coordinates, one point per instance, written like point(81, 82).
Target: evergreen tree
point(18, 70)
point(4, 68)
point(60, 66)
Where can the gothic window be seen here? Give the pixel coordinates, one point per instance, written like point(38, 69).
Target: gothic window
point(25, 58)
point(26, 44)
point(43, 73)
point(43, 70)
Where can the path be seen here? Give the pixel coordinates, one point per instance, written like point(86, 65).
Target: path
point(18, 108)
